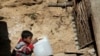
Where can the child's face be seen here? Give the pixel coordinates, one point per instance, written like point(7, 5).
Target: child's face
point(28, 39)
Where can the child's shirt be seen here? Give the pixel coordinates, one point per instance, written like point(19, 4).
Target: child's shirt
point(23, 49)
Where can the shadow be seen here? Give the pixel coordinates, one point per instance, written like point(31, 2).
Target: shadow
point(92, 33)
point(78, 1)
point(4, 40)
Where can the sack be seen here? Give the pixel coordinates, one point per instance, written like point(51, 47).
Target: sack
point(13, 53)
point(42, 47)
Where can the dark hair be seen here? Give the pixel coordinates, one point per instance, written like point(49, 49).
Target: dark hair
point(26, 34)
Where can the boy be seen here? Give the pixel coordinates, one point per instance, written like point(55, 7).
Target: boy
point(25, 45)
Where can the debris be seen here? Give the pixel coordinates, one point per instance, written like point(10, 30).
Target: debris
point(32, 15)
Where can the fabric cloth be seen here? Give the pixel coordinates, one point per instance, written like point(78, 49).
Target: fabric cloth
point(24, 49)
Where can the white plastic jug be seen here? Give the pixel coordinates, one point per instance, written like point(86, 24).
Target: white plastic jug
point(42, 47)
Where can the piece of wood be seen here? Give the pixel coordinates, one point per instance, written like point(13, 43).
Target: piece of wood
point(74, 53)
point(65, 4)
point(82, 24)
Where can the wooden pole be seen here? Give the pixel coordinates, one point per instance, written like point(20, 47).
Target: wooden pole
point(95, 5)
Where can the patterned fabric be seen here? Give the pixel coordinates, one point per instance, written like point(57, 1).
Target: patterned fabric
point(23, 49)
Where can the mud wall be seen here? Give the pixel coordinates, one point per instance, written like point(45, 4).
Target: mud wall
point(55, 22)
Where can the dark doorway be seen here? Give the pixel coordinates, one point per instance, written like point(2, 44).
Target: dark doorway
point(4, 40)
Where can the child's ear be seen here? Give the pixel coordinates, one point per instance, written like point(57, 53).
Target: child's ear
point(25, 39)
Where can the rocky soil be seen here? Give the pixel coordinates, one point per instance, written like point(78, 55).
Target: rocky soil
point(36, 16)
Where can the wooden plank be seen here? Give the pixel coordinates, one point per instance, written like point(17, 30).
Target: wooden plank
point(65, 4)
point(82, 25)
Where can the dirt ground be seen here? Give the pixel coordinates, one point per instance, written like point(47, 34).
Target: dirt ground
point(36, 16)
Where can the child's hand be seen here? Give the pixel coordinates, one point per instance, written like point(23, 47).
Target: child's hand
point(35, 40)
point(30, 46)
